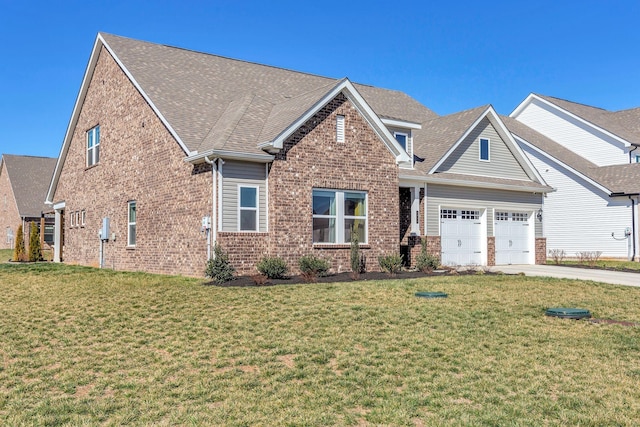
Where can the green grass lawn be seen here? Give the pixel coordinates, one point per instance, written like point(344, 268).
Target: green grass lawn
point(81, 346)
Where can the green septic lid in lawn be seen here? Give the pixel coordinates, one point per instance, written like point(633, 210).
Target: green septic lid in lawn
point(431, 295)
point(568, 313)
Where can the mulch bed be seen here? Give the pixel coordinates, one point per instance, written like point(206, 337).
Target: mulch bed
point(246, 281)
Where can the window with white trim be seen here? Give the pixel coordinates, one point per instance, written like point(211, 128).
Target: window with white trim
point(337, 213)
point(77, 218)
point(484, 149)
point(402, 139)
point(9, 235)
point(340, 128)
point(83, 217)
point(131, 223)
point(637, 158)
point(248, 208)
point(93, 146)
point(72, 219)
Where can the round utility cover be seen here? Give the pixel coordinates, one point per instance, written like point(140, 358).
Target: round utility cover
point(431, 295)
point(568, 313)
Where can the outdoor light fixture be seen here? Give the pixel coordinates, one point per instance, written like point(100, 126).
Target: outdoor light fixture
point(539, 214)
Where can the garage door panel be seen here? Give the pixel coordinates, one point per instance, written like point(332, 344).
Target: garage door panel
point(513, 237)
point(461, 236)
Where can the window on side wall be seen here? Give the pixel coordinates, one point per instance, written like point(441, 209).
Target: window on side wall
point(336, 213)
point(93, 146)
point(637, 158)
point(247, 208)
point(402, 138)
point(484, 149)
point(131, 221)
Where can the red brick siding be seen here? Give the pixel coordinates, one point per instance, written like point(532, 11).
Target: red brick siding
point(141, 161)
point(312, 158)
point(491, 250)
point(244, 249)
point(9, 216)
point(541, 250)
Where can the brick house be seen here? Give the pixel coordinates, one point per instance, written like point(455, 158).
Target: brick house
point(24, 181)
point(169, 151)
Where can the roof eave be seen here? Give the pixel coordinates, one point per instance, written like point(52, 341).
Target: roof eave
point(433, 179)
point(229, 155)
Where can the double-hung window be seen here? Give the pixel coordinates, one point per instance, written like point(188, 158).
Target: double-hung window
point(484, 149)
point(131, 222)
point(93, 146)
point(337, 213)
point(247, 208)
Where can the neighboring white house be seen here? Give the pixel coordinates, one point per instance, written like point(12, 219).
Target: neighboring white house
point(590, 157)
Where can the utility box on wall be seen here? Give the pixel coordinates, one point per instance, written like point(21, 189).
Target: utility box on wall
point(104, 232)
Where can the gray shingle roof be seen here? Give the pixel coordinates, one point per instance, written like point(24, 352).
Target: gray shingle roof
point(30, 177)
point(617, 178)
point(213, 102)
point(624, 124)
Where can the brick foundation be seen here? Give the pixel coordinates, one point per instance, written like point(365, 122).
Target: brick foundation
point(541, 250)
point(491, 251)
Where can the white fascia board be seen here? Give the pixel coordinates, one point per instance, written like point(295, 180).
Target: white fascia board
point(346, 87)
point(597, 128)
point(229, 155)
point(521, 157)
point(59, 205)
point(401, 123)
point(100, 42)
point(564, 165)
point(433, 179)
point(459, 141)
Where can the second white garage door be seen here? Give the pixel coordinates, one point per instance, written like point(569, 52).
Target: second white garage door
point(514, 236)
point(461, 237)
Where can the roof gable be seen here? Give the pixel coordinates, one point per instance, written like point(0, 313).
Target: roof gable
point(463, 129)
point(29, 177)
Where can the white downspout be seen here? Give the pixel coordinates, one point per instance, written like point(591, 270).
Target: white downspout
point(212, 234)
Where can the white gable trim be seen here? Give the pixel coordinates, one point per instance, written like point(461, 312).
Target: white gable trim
point(347, 88)
point(84, 87)
point(507, 138)
point(409, 180)
point(533, 97)
point(564, 165)
point(401, 123)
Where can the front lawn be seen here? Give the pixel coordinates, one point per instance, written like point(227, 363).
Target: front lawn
point(82, 346)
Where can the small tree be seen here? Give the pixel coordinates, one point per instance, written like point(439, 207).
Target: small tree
point(219, 268)
point(35, 250)
point(357, 258)
point(19, 251)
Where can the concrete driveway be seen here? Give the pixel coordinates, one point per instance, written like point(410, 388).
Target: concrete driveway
point(606, 276)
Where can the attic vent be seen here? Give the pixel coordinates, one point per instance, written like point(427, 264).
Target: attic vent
point(340, 128)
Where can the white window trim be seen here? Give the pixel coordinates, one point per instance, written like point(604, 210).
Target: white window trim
point(92, 149)
point(72, 219)
point(406, 140)
point(130, 223)
point(340, 131)
point(340, 217)
point(256, 209)
point(488, 159)
point(83, 217)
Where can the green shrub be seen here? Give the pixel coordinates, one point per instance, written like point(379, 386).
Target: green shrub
point(219, 268)
point(19, 251)
point(35, 250)
point(312, 266)
point(392, 264)
point(273, 267)
point(357, 257)
point(426, 262)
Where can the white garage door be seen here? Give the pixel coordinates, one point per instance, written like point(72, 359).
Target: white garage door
point(461, 237)
point(514, 234)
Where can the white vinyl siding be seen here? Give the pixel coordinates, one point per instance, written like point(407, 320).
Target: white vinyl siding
point(234, 175)
point(595, 146)
point(579, 217)
point(466, 158)
point(478, 198)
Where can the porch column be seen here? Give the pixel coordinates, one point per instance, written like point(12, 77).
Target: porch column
point(415, 211)
point(57, 236)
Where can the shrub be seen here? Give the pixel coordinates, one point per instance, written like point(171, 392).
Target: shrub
point(392, 264)
point(312, 266)
point(589, 257)
point(19, 251)
point(35, 250)
point(273, 267)
point(219, 268)
point(357, 257)
point(426, 262)
point(557, 255)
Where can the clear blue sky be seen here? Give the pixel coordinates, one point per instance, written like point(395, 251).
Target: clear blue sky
point(449, 55)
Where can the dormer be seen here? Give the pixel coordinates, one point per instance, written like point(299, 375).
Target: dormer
point(402, 131)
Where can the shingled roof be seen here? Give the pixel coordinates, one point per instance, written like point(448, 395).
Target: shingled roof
point(29, 177)
point(623, 178)
point(625, 123)
point(214, 102)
